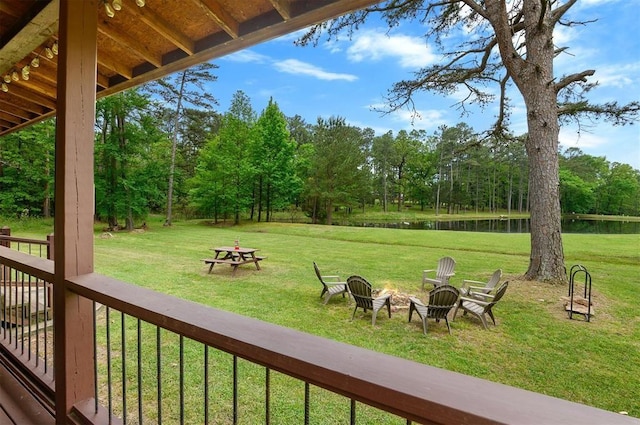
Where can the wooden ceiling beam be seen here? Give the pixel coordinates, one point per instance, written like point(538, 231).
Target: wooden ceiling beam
point(11, 108)
point(10, 118)
point(45, 74)
point(114, 66)
point(32, 98)
point(165, 29)
point(283, 7)
point(7, 10)
point(221, 17)
point(128, 42)
point(102, 80)
point(39, 86)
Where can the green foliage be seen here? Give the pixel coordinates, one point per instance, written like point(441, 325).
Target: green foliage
point(26, 171)
point(338, 171)
point(238, 166)
point(223, 182)
point(181, 90)
point(273, 155)
point(592, 185)
point(576, 196)
point(126, 179)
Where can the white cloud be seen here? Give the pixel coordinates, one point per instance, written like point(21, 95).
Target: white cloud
point(422, 119)
point(563, 35)
point(247, 56)
point(411, 52)
point(296, 67)
point(619, 76)
point(570, 138)
point(595, 3)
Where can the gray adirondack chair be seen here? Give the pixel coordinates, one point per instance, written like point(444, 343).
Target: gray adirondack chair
point(331, 285)
point(480, 308)
point(477, 289)
point(441, 300)
point(443, 272)
point(360, 290)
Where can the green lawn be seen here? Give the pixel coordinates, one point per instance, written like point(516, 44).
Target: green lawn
point(535, 346)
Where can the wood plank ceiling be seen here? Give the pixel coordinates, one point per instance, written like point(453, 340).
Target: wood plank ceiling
point(143, 41)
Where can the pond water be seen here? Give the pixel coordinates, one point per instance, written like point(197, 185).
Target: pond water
point(514, 225)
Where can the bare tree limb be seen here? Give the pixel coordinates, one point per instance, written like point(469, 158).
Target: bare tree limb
point(581, 76)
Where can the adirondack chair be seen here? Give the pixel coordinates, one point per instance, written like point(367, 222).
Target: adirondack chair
point(477, 289)
point(331, 285)
point(441, 300)
point(480, 308)
point(360, 290)
point(442, 273)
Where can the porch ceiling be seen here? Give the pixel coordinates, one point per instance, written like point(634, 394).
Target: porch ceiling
point(139, 44)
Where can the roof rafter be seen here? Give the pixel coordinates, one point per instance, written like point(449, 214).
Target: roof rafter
point(140, 49)
point(165, 29)
point(217, 13)
point(283, 7)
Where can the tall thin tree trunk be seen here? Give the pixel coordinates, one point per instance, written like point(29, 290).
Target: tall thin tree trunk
point(174, 145)
point(46, 205)
point(510, 192)
point(439, 180)
point(329, 211)
point(385, 192)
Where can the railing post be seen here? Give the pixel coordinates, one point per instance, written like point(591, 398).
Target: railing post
point(73, 314)
point(50, 256)
point(5, 231)
point(50, 247)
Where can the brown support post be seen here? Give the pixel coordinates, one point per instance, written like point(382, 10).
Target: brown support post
point(5, 231)
point(74, 351)
point(51, 247)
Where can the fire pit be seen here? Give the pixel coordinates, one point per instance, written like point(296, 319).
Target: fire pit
point(399, 300)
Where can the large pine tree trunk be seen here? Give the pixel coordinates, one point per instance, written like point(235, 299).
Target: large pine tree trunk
point(537, 87)
point(535, 80)
point(547, 258)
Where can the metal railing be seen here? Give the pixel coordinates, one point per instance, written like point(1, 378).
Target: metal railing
point(26, 320)
point(161, 359)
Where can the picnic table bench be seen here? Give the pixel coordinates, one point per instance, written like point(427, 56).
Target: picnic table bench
point(234, 257)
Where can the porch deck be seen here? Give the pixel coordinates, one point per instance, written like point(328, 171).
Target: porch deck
point(17, 405)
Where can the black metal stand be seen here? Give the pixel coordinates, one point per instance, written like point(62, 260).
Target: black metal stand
point(579, 270)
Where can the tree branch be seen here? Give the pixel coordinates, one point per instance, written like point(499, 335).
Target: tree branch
point(560, 11)
point(581, 76)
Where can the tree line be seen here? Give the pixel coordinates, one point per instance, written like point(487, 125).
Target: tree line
point(246, 165)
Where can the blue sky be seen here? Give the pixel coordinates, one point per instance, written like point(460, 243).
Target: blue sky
point(348, 78)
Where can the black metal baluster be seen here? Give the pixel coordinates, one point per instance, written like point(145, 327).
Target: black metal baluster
point(159, 373)
point(181, 380)
point(235, 389)
point(206, 384)
point(139, 372)
point(29, 332)
point(4, 299)
point(123, 347)
point(306, 403)
point(267, 396)
point(109, 381)
point(95, 357)
point(353, 412)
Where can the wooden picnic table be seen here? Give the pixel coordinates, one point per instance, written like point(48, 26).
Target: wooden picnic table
point(234, 257)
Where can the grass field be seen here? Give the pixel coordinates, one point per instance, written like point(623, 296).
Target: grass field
point(534, 347)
